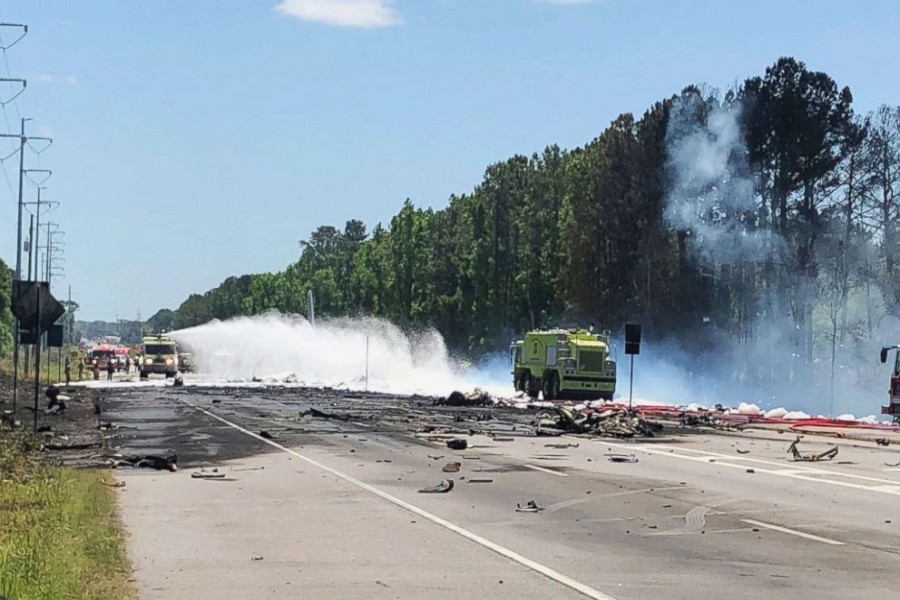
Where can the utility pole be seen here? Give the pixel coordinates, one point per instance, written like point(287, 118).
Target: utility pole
point(30, 252)
point(22, 140)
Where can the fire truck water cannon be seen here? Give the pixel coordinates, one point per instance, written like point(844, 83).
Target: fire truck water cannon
point(893, 407)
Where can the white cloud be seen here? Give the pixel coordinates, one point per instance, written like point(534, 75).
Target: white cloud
point(366, 14)
point(50, 78)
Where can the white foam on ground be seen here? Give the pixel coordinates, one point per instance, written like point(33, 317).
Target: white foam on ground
point(745, 408)
point(795, 415)
point(333, 353)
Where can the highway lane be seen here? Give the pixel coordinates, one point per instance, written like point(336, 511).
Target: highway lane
point(686, 520)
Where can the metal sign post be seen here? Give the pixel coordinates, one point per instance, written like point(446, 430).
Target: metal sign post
point(632, 347)
point(631, 384)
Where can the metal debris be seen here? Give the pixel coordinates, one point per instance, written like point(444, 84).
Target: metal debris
point(476, 397)
point(457, 444)
point(268, 436)
point(530, 507)
point(883, 441)
point(622, 458)
point(115, 484)
point(799, 457)
point(560, 446)
point(611, 422)
point(442, 488)
point(481, 481)
point(435, 456)
point(204, 474)
point(169, 462)
point(451, 467)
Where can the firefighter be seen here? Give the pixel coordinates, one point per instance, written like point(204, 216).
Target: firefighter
point(127, 365)
point(68, 369)
point(80, 370)
point(96, 370)
point(53, 400)
point(110, 368)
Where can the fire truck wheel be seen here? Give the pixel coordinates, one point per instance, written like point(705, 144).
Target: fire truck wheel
point(551, 387)
point(524, 382)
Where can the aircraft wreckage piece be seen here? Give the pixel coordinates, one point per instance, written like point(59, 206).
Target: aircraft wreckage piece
point(800, 457)
point(442, 488)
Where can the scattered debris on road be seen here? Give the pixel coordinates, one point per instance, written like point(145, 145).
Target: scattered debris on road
point(883, 441)
point(476, 397)
point(435, 456)
point(739, 451)
point(800, 457)
point(451, 467)
point(210, 474)
point(560, 446)
point(457, 444)
point(481, 481)
point(115, 484)
point(169, 462)
point(442, 488)
point(608, 422)
point(622, 458)
point(268, 436)
point(530, 507)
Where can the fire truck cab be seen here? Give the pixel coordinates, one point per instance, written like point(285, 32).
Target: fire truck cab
point(893, 406)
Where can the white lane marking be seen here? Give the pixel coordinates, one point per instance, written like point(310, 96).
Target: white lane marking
point(808, 536)
point(792, 473)
point(474, 537)
point(794, 466)
point(643, 491)
point(558, 506)
point(551, 471)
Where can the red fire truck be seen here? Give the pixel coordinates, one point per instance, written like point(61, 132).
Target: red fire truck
point(893, 406)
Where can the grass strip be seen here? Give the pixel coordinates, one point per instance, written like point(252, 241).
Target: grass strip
point(60, 537)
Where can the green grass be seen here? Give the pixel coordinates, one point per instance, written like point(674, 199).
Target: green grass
point(59, 531)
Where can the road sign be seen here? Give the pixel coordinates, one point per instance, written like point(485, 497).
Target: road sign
point(632, 338)
point(31, 299)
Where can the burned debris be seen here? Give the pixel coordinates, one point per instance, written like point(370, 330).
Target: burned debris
point(442, 488)
point(606, 422)
point(811, 457)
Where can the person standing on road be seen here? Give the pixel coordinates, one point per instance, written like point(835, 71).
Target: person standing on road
point(110, 368)
point(80, 370)
point(127, 365)
point(96, 370)
point(68, 368)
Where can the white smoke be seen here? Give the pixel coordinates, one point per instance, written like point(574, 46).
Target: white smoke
point(336, 353)
point(712, 195)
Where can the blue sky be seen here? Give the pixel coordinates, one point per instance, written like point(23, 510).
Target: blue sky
point(197, 140)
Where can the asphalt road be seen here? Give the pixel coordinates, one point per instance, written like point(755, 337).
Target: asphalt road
point(331, 508)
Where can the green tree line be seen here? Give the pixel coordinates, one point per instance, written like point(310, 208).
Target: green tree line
point(586, 235)
point(6, 317)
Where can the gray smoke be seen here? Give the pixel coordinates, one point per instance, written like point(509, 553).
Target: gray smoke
point(711, 197)
point(712, 200)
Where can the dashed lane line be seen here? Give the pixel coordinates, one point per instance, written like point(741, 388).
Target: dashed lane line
point(813, 475)
point(474, 537)
point(808, 536)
